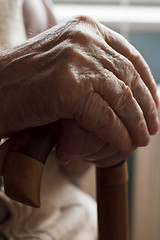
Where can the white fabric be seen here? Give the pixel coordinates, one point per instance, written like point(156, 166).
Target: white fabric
point(12, 29)
point(66, 212)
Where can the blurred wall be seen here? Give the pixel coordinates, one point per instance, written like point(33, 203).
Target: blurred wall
point(146, 165)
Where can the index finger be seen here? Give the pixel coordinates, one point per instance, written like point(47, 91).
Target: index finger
point(122, 46)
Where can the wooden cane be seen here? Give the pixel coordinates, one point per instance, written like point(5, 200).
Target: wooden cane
point(23, 173)
point(112, 202)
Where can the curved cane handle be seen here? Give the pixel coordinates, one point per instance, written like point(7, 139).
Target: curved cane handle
point(22, 178)
point(25, 162)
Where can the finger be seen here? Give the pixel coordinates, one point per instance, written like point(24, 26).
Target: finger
point(121, 100)
point(112, 160)
point(96, 115)
point(144, 99)
point(124, 70)
point(75, 168)
point(76, 141)
point(108, 161)
point(93, 144)
point(121, 45)
point(71, 140)
point(105, 152)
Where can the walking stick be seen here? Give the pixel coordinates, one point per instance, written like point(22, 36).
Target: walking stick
point(23, 172)
point(112, 202)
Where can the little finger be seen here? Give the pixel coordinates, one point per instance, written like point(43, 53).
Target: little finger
point(121, 100)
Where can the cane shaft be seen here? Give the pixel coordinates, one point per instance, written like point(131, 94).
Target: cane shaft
point(112, 201)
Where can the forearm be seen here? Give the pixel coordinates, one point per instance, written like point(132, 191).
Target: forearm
point(18, 69)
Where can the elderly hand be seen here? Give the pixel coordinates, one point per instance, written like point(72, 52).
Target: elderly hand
point(84, 71)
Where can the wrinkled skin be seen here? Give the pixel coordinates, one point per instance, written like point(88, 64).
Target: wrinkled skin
point(91, 80)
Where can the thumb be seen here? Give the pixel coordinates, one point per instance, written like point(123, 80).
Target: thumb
point(71, 140)
point(76, 141)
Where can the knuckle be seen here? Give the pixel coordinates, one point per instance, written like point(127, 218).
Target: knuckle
point(84, 18)
point(135, 55)
point(135, 81)
point(129, 67)
point(81, 30)
point(109, 114)
point(128, 70)
point(124, 68)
